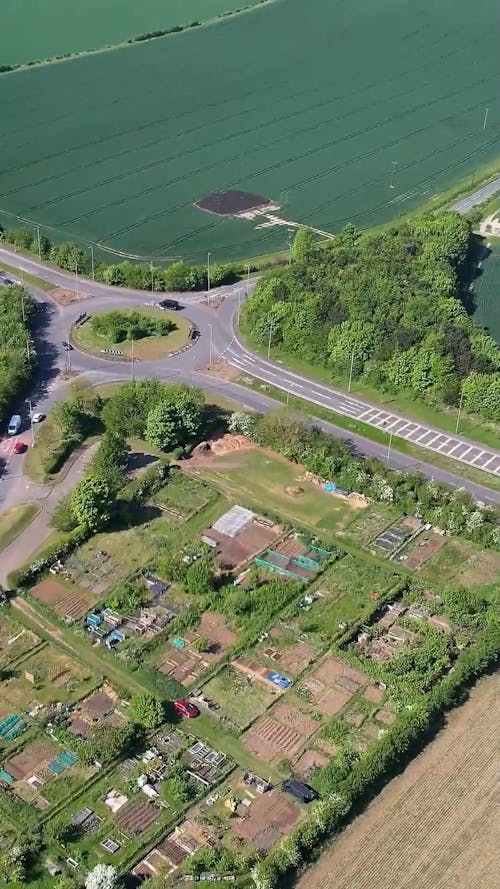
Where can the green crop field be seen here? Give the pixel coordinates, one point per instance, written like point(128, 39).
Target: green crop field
point(39, 29)
point(310, 104)
point(487, 293)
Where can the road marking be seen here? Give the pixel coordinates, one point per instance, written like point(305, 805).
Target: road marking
point(488, 462)
point(480, 454)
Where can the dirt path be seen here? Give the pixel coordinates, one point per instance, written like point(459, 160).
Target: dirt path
point(83, 652)
point(434, 827)
point(33, 537)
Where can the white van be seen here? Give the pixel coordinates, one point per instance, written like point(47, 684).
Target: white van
point(14, 425)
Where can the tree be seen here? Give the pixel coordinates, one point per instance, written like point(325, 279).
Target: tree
point(200, 578)
point(303, 246)
point(176, 419)
point(103, 876)
point(147, 710)
point(91, 502)
point(63, 517)
point(110, 460)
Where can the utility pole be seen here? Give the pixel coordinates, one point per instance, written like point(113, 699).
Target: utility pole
point(389, 447)
point(248, 276)
point(211, 331)
point(350, 372)
point(28, 401)
point(289, 246)
point(485, 118)
point(152, 269)
point(76, 276)
point(208, 276)
point(459, 411)
point(39, 244)
point(271, 328)
point(239, 304)
point(22, 303)
point(69, 353)
point(132, 371)
point(92, 260)
point(393, 172)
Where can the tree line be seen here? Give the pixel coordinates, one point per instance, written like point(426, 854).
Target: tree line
point(17, 352)
point(178, 276)
point(387, 308)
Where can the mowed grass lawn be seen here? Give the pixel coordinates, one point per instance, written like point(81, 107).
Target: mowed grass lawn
point(147, 348)
point(306, 103)
point(15, 520)
point(60, 26)
point(259, 480)
point(239, 699)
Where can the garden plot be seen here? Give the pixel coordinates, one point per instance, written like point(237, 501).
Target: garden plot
point(174, 849)
point(183, 662)
point(15, 640)
point(395, 536)
point(97, 571)
point(416, 553)
point(29, 772)
point(44, 679)
point(68, 601)
point(136, 816)
point(340, 595)
point(372, 522)
point(183, 496)
point(281, 650)
point(238, 697)
point(238, 535)
point(101, 707)
point(281, 733)
point(294, 558)
point(330, 687)
point(464, 564)
point(269, 817)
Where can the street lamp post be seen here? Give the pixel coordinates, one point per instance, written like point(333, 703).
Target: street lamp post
point(28, 401)
point(39, 244)
point(350, 372)
point(271, 328)
point(132, 370)
point(459, 411)
point(76, 277)
point(211, 331)
point(92, 260)
point(248, 277)
point(152, 269)
point(208, 276)
point(389, 448)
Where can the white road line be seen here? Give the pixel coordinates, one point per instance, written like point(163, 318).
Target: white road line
point(455, 447)
point(478, 456)
point(424, 435)
point(489, 461)
point(365, 415)
point(442, 445)
point(471, 448)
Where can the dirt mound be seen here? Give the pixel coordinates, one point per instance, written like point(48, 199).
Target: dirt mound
point(229, 443)
point(294, 490)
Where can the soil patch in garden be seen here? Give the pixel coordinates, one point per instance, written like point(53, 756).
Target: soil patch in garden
point(269, 810)
point(68, 601)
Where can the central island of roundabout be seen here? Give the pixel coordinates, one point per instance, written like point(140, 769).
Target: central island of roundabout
point(144, 332)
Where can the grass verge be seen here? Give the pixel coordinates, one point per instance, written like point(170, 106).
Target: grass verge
point(373, 434)
point(41, 283)
point(16, 520)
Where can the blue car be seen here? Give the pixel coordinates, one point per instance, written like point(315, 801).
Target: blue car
point(279, 680)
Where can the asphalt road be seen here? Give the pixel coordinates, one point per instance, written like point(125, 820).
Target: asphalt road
point(477, 197)
point(217, 340)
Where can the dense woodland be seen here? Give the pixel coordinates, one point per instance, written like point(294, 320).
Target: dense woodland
point(389, 304)
point(17, 354)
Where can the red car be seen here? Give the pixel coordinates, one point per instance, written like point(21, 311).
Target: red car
point(19, 447)
point(186, 709)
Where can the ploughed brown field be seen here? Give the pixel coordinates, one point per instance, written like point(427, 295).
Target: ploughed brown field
point(435, 826)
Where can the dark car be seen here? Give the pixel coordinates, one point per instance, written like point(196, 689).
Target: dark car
point(66, 346)
point(303, 792)
point(169, 304)
point(186, 709)
point(20, 447)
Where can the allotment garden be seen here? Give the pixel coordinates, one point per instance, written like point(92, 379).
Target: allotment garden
point(317, 645)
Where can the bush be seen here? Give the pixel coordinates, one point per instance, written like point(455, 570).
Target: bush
point(120, 326)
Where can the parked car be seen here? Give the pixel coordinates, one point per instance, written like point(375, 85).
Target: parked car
point(279, 680)
point(186, 709)
point(66, 346)
point(19, 447)
point(14, 425)
point(38, 417)
point(303, 792)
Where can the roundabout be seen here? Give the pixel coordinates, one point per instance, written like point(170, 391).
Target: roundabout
point(140, 332)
